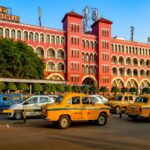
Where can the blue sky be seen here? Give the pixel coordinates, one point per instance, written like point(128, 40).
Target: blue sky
point(123, 13)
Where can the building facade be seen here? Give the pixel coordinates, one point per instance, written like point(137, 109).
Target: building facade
point(93, 58)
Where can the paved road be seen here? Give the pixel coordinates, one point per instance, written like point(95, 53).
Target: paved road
point(38, 134)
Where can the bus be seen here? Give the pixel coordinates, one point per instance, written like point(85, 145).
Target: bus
point(6, 100)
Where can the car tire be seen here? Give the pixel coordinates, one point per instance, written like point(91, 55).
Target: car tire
point(102, 119)
point(117, 110)
point(18, 116)
point(64, 122)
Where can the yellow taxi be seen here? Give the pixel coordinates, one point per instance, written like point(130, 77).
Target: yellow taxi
point(119, 103)
point(75, 107)
point(140, 108)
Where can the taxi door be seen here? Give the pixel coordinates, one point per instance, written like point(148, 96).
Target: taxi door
point(74, 108)
point(89, 111)
point(30, 105)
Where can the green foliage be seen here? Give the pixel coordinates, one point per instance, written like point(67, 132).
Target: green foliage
point(37, 87)
point(133, 90)
point(84, 88)
point(103, 89)
point(18, 60)
point(146, 90)
point(60, 88)
point(115, 90)
point(2, 86)
point(124, 90)
point(11, 86)
point(76, 88)
point(93, 90)
point(50, 88)
point(23, 86)
point(68, 88)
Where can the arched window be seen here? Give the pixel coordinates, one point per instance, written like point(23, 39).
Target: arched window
point(83, 69)
point(36, 37)
point(60, 54)
point(41, 37)
point(83, 43)
point(47, 38)
point(1, 32)
point(62, 40)
point(57, 40)
point(40, 52)
point(19, 35)
point(31, 36)
point(91, 44)
point(53, 39)
point(13, 34)
point(51, 66)
point(51, 53)
point(7, 33)
point(87, 44)
point(61, 67)
point(114, 59)
point(25, 35)
point(114, 71)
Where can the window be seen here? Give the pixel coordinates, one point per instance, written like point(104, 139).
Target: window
point(33, 100)
point(31, 36)
point(25, 35)
point(19, 35)
point(141, 100)
point(74, 100)
point(36, 37)
point(48, 38)
point(7, 33)
point(41, 38)
point(1, 32)
point(13, 34)
point(44, 100)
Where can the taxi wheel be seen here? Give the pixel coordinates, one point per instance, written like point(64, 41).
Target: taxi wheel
point(102, 119)
point(64, 122)
point(18, 116)
point(117, 110)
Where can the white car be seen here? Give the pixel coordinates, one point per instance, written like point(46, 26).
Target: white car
point(30, 107)
point(98, 99)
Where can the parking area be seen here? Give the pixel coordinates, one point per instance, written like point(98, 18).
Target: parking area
point(119, 133)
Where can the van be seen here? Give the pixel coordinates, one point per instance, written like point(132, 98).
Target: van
point(30, 107)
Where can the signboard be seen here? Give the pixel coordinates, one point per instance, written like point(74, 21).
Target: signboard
point(3, 9)
point(9, 17)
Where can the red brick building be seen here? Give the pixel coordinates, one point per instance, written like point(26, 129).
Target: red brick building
point(84, 58)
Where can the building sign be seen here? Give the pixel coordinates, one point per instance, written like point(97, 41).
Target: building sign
point(9, 17)
point(3, 9)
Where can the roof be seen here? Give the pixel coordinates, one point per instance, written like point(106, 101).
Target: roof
point(73, 14)
point(102, 20)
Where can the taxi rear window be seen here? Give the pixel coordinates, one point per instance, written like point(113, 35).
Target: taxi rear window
point(141, 100)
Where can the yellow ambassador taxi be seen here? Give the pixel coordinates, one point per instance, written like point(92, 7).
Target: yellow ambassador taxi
point(140, 108)
point(75, 107)
point(120, 102)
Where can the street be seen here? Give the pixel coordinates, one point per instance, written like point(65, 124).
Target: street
point(119, 133)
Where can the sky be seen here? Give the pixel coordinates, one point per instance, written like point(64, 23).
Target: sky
point(123, 14)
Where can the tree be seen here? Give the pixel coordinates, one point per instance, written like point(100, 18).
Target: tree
point(38, 88)
point(23, 86)
point(93, 90)
point(133, 90)
point(115, 90)
point(50, 88)
point(124, 90)
point(18, 60)
point(68, 88)
point(60, 87)
point(76, 88)
point(103, 89)
point(11, 86)
point(146, 90)
point(84, 88)
point(2, 86)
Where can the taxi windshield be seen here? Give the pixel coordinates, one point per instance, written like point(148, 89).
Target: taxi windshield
point(141, 100)
point(59, 99)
